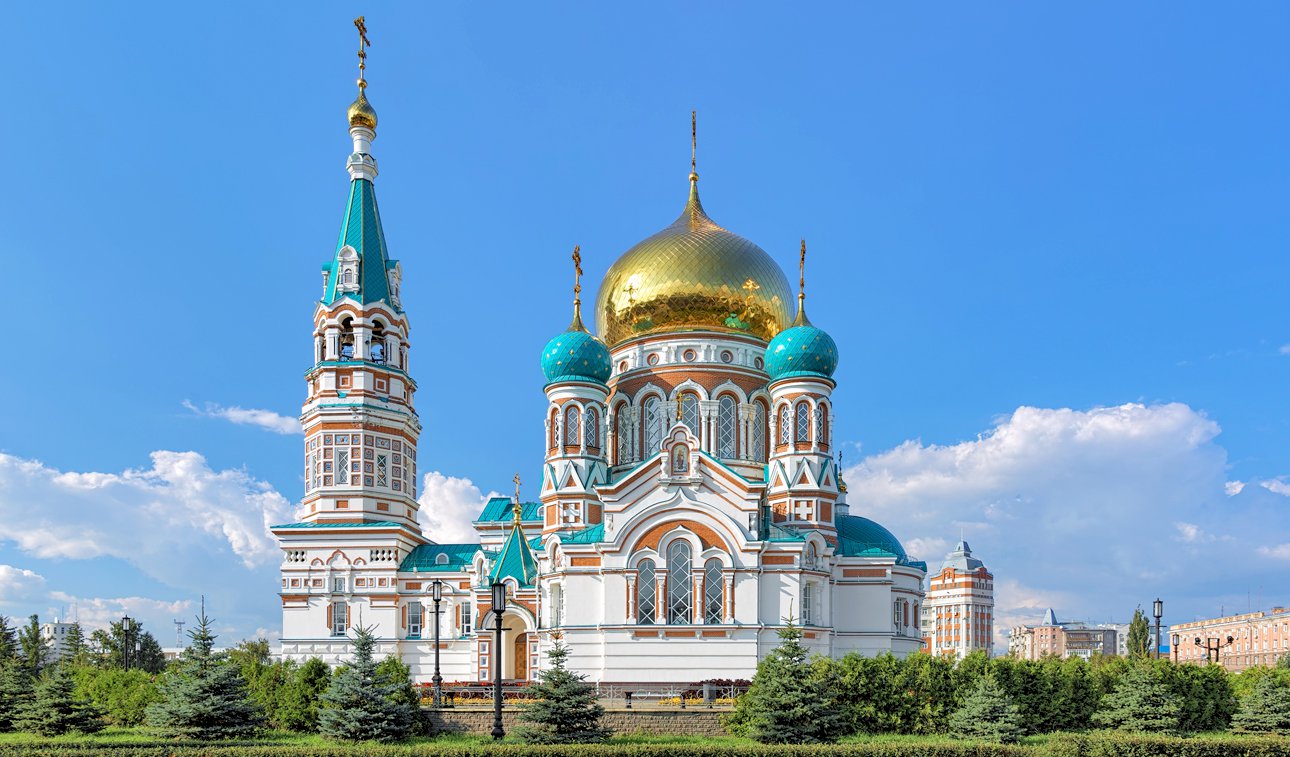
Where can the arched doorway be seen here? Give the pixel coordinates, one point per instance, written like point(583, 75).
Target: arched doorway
point(519, 646)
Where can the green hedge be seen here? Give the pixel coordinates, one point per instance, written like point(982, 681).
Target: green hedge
point(1127, 745)
point(948, 749)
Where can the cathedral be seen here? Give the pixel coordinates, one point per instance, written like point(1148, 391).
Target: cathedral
point(690, 500)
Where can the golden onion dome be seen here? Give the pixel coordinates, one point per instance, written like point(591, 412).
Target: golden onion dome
point(361, 112)
point(693, 276)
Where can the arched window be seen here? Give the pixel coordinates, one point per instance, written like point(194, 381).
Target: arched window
point(557, 606)
point(680, 595)
point(811, 559)
point(645, 593)
point(653, 426)
point(571, 423)
point(690, 412)
point(785, 425)
point(624, 434)
point(819, 425)
point(803, 425)
point(758, 447)
point(726, 427)
point(713, 592)
point(555, 428)
point(591, 428)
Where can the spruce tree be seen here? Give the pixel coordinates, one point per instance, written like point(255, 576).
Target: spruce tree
point(34, 647)
point(1140, 702)
point(8, 640)
point(76, 653)
point(55, 710)
point(15, 692)
point(987, 714)
point(1265, 710)
point(205, 697)
point(786, 704)
point(357, 707)
point(566, 711)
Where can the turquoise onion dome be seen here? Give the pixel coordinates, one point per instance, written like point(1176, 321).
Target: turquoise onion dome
point(576, 355)
point(801, 350)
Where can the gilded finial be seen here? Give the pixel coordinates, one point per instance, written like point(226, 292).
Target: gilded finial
point(361, 24)
point(694, 145)
point(577, 290)
point(801, 288)
point(517, 508)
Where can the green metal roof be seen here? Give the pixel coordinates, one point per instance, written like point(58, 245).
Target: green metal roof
point(425, 558)
point(501, 509)
point(589, 535)
point(365, 524)
point(861, 537)
point(362, 230)
point(515, 561)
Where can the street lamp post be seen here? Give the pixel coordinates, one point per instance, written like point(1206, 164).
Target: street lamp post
point(125, 641)
point(1212, 644)
point(1158, 610)
point(499, 606)
point(1173, 648)
point(436, 593)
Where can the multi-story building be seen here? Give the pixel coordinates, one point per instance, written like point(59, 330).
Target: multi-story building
point(958, 614)
point(55, 635)
point(689, 502)
point(1237, 641)
point(1070, 639)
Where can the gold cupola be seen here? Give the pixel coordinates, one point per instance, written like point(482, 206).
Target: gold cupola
point(693, 276)
point(361, 112)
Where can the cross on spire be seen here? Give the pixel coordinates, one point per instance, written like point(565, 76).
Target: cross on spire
point(361, 24)
point(577, 289)
point(517, 499)
point(694, 145)
point(801, 275)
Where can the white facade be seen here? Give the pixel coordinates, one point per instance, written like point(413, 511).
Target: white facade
point(958, 616)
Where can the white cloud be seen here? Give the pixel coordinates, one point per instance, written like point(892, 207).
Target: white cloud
point(1276, 486)
point(265, 419)
point(1233, 488)
point(156, 615)
point(1075, 502)
point(1285, 349)
point(931, 548)
point(174, 516)
point(1279, 552)
point(19, 584)
point(448, 507)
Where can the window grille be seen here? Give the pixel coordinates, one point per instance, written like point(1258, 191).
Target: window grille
point(653, 426)
point(339, 611)
point(342, 466)
point(713, 592)
point(338, 583)
point(758, 447)
point(785, 425)
point(645, 592)
point(808, 604)
point(624, 436)
point(382, 477)
point(690, 412)
point(680, 600)
point(726, 427)
point(414, 619)
point(571, 425)
point(803, 423)
point(591, 428)
point(819, 425)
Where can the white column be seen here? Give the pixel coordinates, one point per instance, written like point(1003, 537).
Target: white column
point(333, 343)
point(361, 335)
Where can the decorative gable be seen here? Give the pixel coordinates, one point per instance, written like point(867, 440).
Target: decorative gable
point(347, 270)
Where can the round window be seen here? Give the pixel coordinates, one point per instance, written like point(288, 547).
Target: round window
point(622, 367)
point(759, 363)
point(689, 356)
point(727, 356)
point(652, 359)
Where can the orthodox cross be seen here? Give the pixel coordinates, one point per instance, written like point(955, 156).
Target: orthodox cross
point(363, 42)
point(577, 275)
point(801, 274)
point(517, 498)
point(694, 144)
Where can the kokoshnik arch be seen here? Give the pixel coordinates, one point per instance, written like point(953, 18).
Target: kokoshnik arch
point(690, 500)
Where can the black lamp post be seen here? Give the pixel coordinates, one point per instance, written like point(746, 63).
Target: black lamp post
point(499, 607)
point(1158, 610)
point(436, 593)
point(1173, 648)
point(1212, 645)
point(126, 622)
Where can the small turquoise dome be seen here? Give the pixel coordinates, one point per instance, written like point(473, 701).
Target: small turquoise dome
point(801, 350)
point(576, 354)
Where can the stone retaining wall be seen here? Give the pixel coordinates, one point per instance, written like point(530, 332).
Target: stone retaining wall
point(688, 722)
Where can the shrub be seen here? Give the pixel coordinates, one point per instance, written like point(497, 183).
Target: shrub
point(1265, 710)
point(123, 696)
point(1140, 702)
point(987, 714)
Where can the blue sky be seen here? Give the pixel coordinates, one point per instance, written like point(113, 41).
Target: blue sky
point(1078, 210)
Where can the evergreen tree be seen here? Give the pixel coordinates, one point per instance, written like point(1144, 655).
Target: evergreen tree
point(15, 692)
point(205, 698)
point(566, 711)
point(109, 648)
point(393, 672)
point(356, 707)
point(75, 652)
point(8, 640)
point(34, 647)
point(1265, 710)
point(987, 714)
point(55, 709)
point(1139, 635)
point(1284, 662)
point(786, 704)
point(1140, 702)
point(299, 708)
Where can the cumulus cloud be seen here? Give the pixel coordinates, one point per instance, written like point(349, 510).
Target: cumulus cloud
point(448, 507)
point(1279, 552)
point(156, 615)
point(1276, 486)
point(1082, 504)
point(1285, 349)
point(265, 419)
point(176, 514)
point(1233, 488)
point(19, 584)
